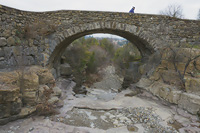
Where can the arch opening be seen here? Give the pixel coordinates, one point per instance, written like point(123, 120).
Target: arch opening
point(87, 58)
point(143, 46)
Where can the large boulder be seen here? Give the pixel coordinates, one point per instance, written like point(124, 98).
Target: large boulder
point(44, 74)
point(21, 90)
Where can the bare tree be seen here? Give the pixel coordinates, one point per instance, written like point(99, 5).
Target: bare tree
point(176, 55)
point(173, 11)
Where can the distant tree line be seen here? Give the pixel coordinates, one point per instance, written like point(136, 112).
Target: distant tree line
point(88, 55)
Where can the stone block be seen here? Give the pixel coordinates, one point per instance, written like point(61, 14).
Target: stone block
point(1, 52)
point(173, 96)
point(8, 51)
point(7, 32)
point(43, 57)
point(9, 93)
point(17, 50)
point(3, 41)
point(3, 63)
point(65, 69)
point(190, 102)
point(11, 41)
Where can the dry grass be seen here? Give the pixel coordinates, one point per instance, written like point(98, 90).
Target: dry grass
point(93, 78)
point(9, 78)
point(46, 108)
point(37, 28)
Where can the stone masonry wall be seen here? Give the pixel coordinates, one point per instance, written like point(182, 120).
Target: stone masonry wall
point(30, 38)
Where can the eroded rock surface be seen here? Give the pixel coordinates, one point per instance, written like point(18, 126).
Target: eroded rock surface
point(22, 90)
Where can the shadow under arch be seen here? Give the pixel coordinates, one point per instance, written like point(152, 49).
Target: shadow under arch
point(136, 37)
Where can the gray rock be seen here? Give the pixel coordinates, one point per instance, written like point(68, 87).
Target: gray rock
point(8, 51)
point(10, 41)
point(53, 100)
point(2, 58)
point(1, 52)
point(190, 102)
point(65, 69)
point(7, 33)
point(2, 41)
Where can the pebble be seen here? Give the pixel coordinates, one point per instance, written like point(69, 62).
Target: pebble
point(143, 115)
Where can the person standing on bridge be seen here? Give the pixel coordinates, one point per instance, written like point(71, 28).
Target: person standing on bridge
point(132, 10)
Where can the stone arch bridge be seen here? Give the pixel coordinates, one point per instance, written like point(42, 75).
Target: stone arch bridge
point(39, 38)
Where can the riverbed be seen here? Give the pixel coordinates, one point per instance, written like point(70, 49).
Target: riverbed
point(103, 109)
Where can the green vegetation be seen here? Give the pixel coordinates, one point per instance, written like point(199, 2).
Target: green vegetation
point(126, 54)
point(87, 56)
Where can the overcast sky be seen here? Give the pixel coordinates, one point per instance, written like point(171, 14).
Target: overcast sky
point(190, 7)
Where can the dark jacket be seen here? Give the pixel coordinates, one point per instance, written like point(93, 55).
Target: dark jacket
point(131, 11)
